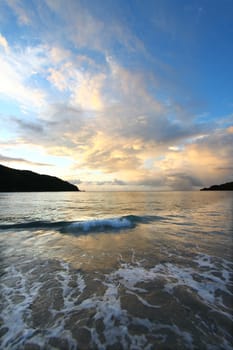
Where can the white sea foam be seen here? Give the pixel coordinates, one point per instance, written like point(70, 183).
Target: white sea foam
point(13, 312)
point(115, 320)
point(69, 293)
point(130, 278)
point(209, 279)
point(20, 291)
point(205, 284)
point(143, 301)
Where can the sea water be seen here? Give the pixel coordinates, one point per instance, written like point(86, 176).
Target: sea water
point(116, 270)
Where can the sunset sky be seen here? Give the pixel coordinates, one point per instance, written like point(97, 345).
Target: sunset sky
point(118, 94)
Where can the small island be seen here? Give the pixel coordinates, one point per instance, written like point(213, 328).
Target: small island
point(223, 187)
point(13, 180)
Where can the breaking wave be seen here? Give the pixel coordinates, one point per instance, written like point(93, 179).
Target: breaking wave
point(85, 226)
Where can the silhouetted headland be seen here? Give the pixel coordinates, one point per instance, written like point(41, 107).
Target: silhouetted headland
point(223, 187)
point(13, 180)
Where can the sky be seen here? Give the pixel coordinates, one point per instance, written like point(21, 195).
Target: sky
point(118, 94)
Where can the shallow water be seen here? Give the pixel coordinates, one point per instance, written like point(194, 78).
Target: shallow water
point(116, 270)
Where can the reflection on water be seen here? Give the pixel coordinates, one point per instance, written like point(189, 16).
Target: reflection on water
point(76, 274)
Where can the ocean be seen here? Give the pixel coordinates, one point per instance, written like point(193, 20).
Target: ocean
point(116, 270)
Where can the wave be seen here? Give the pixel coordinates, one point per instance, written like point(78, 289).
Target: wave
point(85, 226)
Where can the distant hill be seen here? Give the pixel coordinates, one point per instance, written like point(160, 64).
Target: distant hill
point(224, 187)
point(13, 180)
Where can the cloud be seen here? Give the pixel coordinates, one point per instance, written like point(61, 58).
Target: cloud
point(76, 181)
point(82, 80)
point(4, 43)
point(133, 137)
point(202, 159)
point(7, 159)
point(150, 181)
point(88, 94)
point(115, 182)
point(17, 69)
point(20, 11)
point(62, 127)
point(81, 92)
point(56, 77)
point(226, 168)
point(183, 182)
point(32, 127)
point(59, 54)
point(85, 29)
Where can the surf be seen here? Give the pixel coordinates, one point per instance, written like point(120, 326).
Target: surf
point(84, 226)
